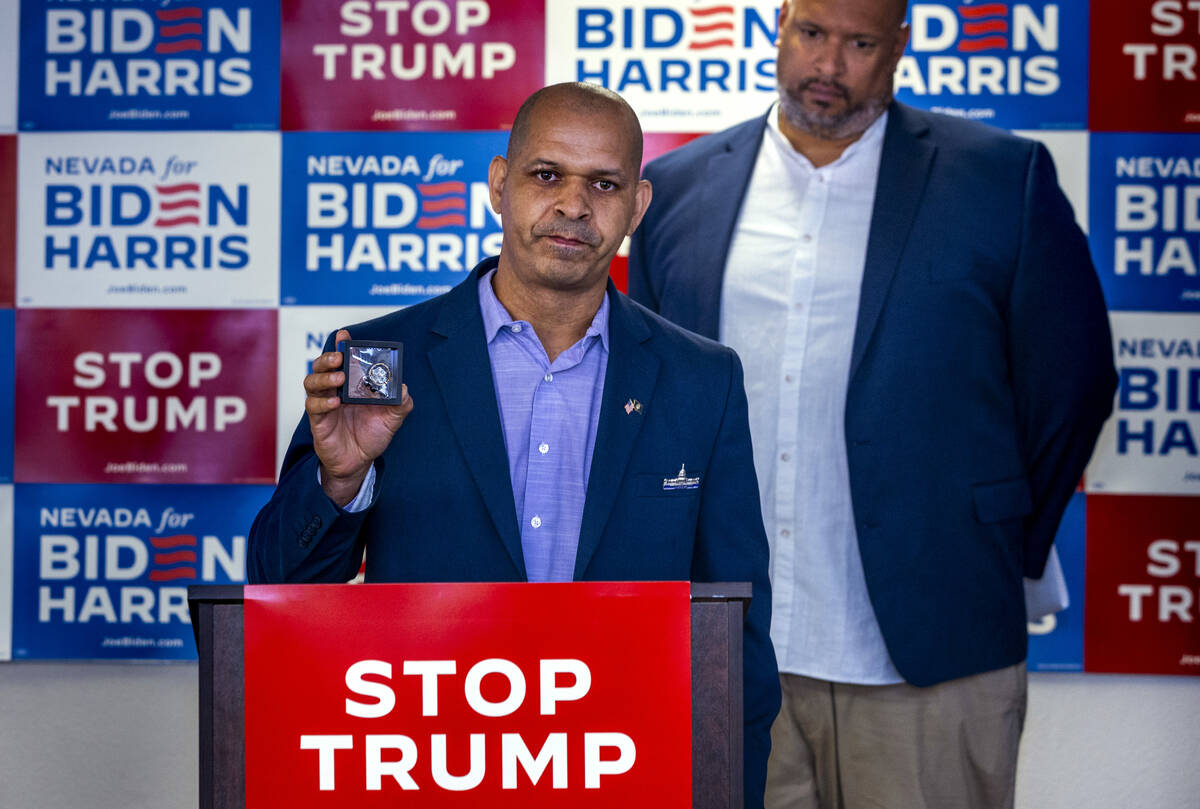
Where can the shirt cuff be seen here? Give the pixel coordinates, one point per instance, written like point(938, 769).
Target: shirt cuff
point(362, 500)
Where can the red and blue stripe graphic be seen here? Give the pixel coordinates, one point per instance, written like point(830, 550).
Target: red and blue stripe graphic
point(710, 27)
point(439, 202)
point(984, 28)
point(174, 557)
point(177, 205)
point(179, 30)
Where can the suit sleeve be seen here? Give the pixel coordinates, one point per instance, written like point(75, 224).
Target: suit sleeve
point(300, 535)
point(1060, 350)
point(732, 546)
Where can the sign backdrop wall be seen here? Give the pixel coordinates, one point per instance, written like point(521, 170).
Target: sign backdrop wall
point(192, 196)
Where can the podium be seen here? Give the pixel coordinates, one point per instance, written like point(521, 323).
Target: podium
point(716, 616)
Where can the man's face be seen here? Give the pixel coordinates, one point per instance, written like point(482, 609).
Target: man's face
point(567, 198)
point(835, 64)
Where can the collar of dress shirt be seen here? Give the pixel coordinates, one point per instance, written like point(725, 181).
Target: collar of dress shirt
point(496, 317)
point(870, 142)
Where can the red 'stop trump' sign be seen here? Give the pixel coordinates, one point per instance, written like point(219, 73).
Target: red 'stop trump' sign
point(465, 695)
point(434, 65)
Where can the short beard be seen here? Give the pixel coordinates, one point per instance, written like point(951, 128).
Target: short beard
point(851, 122)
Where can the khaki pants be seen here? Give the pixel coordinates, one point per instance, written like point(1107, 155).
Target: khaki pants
point(949, 746)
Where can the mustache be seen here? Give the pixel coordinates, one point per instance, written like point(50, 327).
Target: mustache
point(567, 229)
point(827, 84)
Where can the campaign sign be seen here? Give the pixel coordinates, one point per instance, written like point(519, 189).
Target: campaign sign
point(149, 64)
point(1145, 210)
point(1144, 75)
point(302, 334)
point(657, 144)
point(1151, 443)
point(8, 67)
point(1018, 65)
point(145, 397)
point(385, 219)
point(7, 398)
point(434, 64)
point(168, 221)
point(8, 218)
point(467, 695)
point(6, 571)
point(101, 572)
point(1056, 640)
point(1143, 585)
point(683, 66)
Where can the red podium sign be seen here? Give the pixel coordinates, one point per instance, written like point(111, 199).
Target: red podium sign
point(467, 695)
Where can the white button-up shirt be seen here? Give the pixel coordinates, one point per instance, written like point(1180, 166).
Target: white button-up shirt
point(789, 308)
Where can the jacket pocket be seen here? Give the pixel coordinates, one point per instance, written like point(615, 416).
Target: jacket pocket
point(1002, 500)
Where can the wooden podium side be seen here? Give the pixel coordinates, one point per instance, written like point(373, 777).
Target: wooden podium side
point(717, 611)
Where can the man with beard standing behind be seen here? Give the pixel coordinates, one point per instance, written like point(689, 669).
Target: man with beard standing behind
point(928, 364)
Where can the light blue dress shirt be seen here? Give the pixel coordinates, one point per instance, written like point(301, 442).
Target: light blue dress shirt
point(549, 412)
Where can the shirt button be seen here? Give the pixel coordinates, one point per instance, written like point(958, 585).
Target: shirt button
point(785, 457)
point(536, 522)
point(516, 328)
point(543, 448)
point(785, 533)
point(798, 306)
point(548, 377)
point(807, 237)
point(788, 379)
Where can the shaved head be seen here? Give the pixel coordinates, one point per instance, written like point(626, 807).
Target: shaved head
point(578, 98)
point(899, 8)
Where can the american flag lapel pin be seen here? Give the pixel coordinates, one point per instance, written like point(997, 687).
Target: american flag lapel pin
point(633, 406)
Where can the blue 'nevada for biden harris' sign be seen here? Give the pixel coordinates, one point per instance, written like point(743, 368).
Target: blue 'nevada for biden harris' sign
point(145, 64)
point(101, 572)
point(1145, 220)
point(384, 219)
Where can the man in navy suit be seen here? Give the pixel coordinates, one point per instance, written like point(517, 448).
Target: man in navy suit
point(562, 431)
point(928, 363)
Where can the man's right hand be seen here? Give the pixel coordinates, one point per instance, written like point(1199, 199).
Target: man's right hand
point(346, 438)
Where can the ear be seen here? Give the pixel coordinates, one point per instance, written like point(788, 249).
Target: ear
point(497, 173)
point(900, 44)
point(641, 201)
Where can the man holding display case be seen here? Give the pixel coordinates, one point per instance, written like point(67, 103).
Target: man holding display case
point(562, 431)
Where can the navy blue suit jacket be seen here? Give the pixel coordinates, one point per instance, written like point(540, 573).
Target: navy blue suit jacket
point(980, 375)
point(444, 511)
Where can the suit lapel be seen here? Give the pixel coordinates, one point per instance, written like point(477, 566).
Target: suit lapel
point(632, 372)
point(464, 376)
point(903, 173)
point(726, 180)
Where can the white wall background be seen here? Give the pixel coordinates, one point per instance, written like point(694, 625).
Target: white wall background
point(123, 736)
